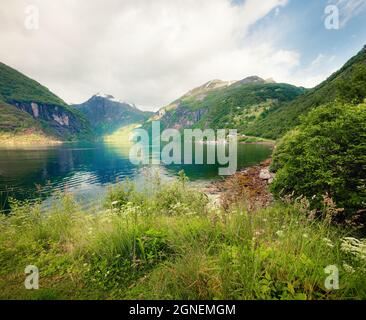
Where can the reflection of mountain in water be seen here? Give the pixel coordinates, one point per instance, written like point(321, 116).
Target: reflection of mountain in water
point(86, 169)
point(61, 168)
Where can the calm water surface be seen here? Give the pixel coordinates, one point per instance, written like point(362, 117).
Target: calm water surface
point(87, 170)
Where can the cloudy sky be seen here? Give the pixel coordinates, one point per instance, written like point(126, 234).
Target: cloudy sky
point(152, 52)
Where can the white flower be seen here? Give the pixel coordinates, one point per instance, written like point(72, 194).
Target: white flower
point(280, 233)
point(356, 247)
point(328, 242)
point(348, 268)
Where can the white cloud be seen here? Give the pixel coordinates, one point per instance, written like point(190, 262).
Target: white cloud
point(321, 67)
point(348, 9)
point(148, 52)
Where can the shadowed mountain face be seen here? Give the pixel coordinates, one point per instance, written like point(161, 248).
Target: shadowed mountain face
point(27, 106)
point(107, 114)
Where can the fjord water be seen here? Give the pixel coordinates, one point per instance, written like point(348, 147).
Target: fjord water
point(86, 170)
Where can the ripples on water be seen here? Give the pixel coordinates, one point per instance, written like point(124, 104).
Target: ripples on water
point(86, 170)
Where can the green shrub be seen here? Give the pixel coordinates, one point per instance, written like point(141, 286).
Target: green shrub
point(325, 155)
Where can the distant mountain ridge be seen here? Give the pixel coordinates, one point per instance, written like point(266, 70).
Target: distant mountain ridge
point(107, 114)
point(28, 108)
point(253, 105)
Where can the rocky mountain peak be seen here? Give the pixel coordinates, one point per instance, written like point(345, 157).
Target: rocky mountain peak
point(111, 98)
point(252, 79)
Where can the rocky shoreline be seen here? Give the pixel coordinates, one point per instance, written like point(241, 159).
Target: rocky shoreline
point(249, 186)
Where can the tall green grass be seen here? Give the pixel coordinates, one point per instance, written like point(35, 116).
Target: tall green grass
point(165, 242)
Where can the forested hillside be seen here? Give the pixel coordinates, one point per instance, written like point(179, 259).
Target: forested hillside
point(220, 104)
point(346, 85)
point(28, 107)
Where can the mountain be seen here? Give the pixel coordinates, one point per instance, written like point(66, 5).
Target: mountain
point(219, 104)
point(253, 80)
point(28, 107)
point(346, 85)
point(107, 114)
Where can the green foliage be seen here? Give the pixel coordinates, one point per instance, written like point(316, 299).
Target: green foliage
point(249, 139)
point(326, 154)
point(353, 90)
point(275, 254)
point(233, 107)
point(128, 253)
point(15, 86)
point(18, 88)
point(13, 120)
point(347, 85)
point(167, 199)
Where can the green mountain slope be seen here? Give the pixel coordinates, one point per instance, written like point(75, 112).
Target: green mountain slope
point(14, 86)
point(347, 85)
point(12, 119)
point(26, 105)
point(219, 104)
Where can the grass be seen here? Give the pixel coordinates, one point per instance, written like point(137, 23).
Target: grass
point(24, 138)
point(251, 139)
point(168, 242)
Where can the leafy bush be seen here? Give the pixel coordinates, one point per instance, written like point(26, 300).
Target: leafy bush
point(353, 89)
point(326, 154)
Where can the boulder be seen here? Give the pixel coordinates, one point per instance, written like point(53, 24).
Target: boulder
point(265, 174)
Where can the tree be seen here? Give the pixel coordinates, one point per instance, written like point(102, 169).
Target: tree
point(326, 154)
point(353, 89)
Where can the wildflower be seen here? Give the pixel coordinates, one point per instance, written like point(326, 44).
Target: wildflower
point(328, 242)
point(355, 247)
point(305, 235)
point(280, 233)
point(258, 232)
point(348, 268)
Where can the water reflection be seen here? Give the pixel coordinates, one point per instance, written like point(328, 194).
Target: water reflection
point(86, 169)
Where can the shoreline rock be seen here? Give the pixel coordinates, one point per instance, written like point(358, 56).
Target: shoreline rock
point(249, 186)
